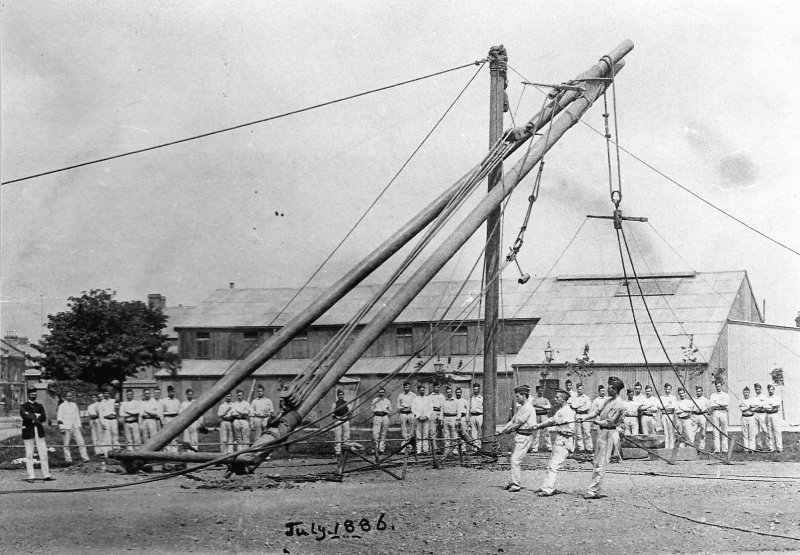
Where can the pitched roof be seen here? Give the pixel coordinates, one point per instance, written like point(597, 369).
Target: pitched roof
point(575, 311)
point(242, 308)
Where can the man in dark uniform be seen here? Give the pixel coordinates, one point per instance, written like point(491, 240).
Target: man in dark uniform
point(341, 416)
point(33, 416)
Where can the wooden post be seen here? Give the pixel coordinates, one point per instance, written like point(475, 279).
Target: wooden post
point(498, 64)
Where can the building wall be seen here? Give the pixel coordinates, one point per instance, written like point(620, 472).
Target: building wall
point(753, 352)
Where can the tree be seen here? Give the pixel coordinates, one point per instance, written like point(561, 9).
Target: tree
point(101, 340)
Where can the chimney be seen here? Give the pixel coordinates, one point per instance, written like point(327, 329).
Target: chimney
point(797, 320)
point(156, 300)
point(232, 285)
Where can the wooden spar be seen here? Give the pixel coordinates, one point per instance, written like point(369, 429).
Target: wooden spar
point(242, 369)
point(469, 225)
point(498, 68)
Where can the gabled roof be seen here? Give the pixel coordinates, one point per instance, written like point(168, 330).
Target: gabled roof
point(575, 311)
point(176, 315)
point(243, 308)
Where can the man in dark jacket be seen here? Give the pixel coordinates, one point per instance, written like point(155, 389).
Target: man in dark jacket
point(33, 416)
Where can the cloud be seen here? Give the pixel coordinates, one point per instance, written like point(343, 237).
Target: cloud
point(737, 171)
point(733, 170)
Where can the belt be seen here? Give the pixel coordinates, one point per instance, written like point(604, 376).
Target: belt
point(607, 427)
point(379, 413)
point(93, 417)
point(684, 417)
point(648, 414)
point(772, 411)
point(131, 419)
point(405, 411)
point(541, 411)
point(669, 411)
point(747, 414)
point(697, 413)
point(525, 432)
point(437, 409)
point(475, 413)
point(631, 416)
point(170, 415)
point(725, 410)
point(110, 417)
point(151, 417)
point(581, 412)
point(565, 434)
point(759, 410)
point(453, 415)
point(345, 417)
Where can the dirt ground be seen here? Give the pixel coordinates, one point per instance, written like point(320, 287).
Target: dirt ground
point(447, 510)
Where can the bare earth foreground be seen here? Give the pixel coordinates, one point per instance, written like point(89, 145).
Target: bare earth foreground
point(447, 510)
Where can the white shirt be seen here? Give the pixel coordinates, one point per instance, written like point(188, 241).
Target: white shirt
point(404, 401)
point(632, 408)
point(130, 409)
point(185, 405)
point(524, 418)
point(91, 410)
point(720, 399)
point(421, 407)
point(669, 401)
point(702, 403)
point(437, 400)
point(262, 407)
point(476, 404)
point(597, 404)
point(107, 408)
point(463, 407)
point(69, 417)
point(242, 408)
point(224, 409)
point(580, 403)
point(151, 408)
point(381, 405)
point(772, 402)
point(650, 405)
point(684, 407)
point(170, 406)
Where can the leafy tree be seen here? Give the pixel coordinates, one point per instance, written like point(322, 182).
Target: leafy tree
point(101, 340)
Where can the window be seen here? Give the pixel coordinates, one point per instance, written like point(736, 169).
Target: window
point(458, 340)
point(405, 341)
point(299, 346)
point(202, 340)
point(184, 344)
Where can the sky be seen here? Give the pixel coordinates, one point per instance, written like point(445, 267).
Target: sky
point(707, 97)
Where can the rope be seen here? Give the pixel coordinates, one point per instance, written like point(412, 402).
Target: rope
point(241, 125)
point(679, 185)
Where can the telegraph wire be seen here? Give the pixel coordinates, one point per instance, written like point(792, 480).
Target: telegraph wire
point(241, 125)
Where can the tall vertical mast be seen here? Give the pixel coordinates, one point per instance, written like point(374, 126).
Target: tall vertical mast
point(498, 62)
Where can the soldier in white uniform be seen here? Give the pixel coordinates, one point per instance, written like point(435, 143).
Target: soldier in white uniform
point(437, 400)
point(263, 410)
point(699, 414)
point(718, 406)
point(541, 405)
point(95, 428)
point(225, 425)
point(749, 426)
point(421, 411)
point(69, 422)
point(608, 421)
point(523, 423)
point(568, 388)
point(170, 408)
point(476, 414)
point(463, 410)
point(683, 413)
point(631, 421)
point(240, 413)
point(381, 409)
point(581, 403)
point(648, 411)
point(108, 418)
point(190, 434)
point(564, 426)
point(668, 402)
point(404, 402)
point(772, 407)
point(131, 410)
point(150, 416)
point(762, 435)
point(157, 399)
point(450, 409)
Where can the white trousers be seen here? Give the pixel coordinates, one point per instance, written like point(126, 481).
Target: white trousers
point(40, 445)
point(719, 419)
point(149, 428)
point(669, 430)
point(341, 434)
point(241, 432)
point(648, 424)
point(96, 429)
point(761, 426)
point(259, 425)
point(749, 432)
point(562, 447)
point(225, 436)
point(476, 428)
point(110, 434)
point(133, 436)
point(583, 432)
point(406, 426)
point(450, 432)
point(422, 433)
point(191, 436)
point(521, 445)
point(380, 427)
point(603, 447)
point(686, 429)
point(631, 425)
point(775, 430)
point(699, 429)
point(68, 433)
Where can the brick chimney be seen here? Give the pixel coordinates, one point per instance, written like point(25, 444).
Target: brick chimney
point(156, 300)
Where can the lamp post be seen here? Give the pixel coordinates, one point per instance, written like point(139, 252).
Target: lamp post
point(548, 353)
